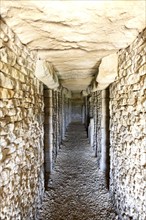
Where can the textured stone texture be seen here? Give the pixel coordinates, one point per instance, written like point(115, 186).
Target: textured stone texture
point(48, 132)
point(127, 131)
point(57, 117)
point(21, 131)
point(75, 44)
point(95, 112)
point(75, 35)
point(76, 191)
point(46, 73)
point(107, 71)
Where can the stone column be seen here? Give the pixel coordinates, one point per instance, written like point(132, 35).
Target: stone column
point(66, 113)
point(57, 123)
point(70, 110)
point(60, 116)
point(54, 127)
point(48, 127)
point(104, 131)
point(83, 113)
point(86, 112)
point(95, 124)
point(63, 116)
point(98, 127)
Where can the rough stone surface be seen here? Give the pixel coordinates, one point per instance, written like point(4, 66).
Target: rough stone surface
point(75, 35)
point(21, 131)
point(74, 41)
point(127, 131)
point(107, 71)
point(57, 117)
point(46, 73)
point(95, 112)
point(77, 190)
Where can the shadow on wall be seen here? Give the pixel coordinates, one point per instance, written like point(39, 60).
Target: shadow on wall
point(76, 112)
point(76, 115)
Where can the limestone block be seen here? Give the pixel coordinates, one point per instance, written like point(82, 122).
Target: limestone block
point(6, 82)
point(44, 72)
point(6, 93)
point(1, 43)
point(18, 75)
point(8, 56)
point(142, 70)
point(108, 69)
point(128, 64)
point(19, 94)
point(4, 68)
point(20, 61)
point(132, 79)
point(4, 37)
point(22, 69)
point(5, 177)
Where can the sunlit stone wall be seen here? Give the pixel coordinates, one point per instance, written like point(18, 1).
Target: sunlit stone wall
point(21, 130)
point(127, 131)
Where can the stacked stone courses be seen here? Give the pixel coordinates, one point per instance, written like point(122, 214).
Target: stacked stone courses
point(127, 131)
point(33, 122)
point(21, 130)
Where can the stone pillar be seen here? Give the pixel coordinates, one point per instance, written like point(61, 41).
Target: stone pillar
point(63, 116)
point(95, 124)
point(104, 131)
point(86, 112)
point(70, 110)
point(48, 148)
point(66, 112)
point(91, 132)
point(60, 116)
point(83, 114)
point(57, 123)
point(98, 127)
point(54, 126)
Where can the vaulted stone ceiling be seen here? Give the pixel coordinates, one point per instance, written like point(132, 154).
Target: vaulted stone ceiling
point(75, 35)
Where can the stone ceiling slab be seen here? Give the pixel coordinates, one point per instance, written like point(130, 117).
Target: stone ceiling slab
point(75, 35)
point(76, 84)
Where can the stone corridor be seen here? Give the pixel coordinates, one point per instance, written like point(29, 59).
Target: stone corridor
point(77, 190)
point(72, 110)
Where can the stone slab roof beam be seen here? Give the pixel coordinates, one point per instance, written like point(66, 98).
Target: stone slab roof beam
point(107, 71)
point(45, 73)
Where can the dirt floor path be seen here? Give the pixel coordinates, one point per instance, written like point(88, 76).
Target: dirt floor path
point(76, 190)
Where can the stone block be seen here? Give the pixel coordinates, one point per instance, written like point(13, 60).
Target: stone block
point(6, 82)
point(6, 93)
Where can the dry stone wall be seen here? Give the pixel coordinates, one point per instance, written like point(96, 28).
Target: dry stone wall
point(21, 130)
point(127, 131)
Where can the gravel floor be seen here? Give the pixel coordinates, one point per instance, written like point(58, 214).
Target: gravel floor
point(76, 189)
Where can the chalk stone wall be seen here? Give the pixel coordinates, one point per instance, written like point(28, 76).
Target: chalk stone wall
point(127, 131)
point(21, 130)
